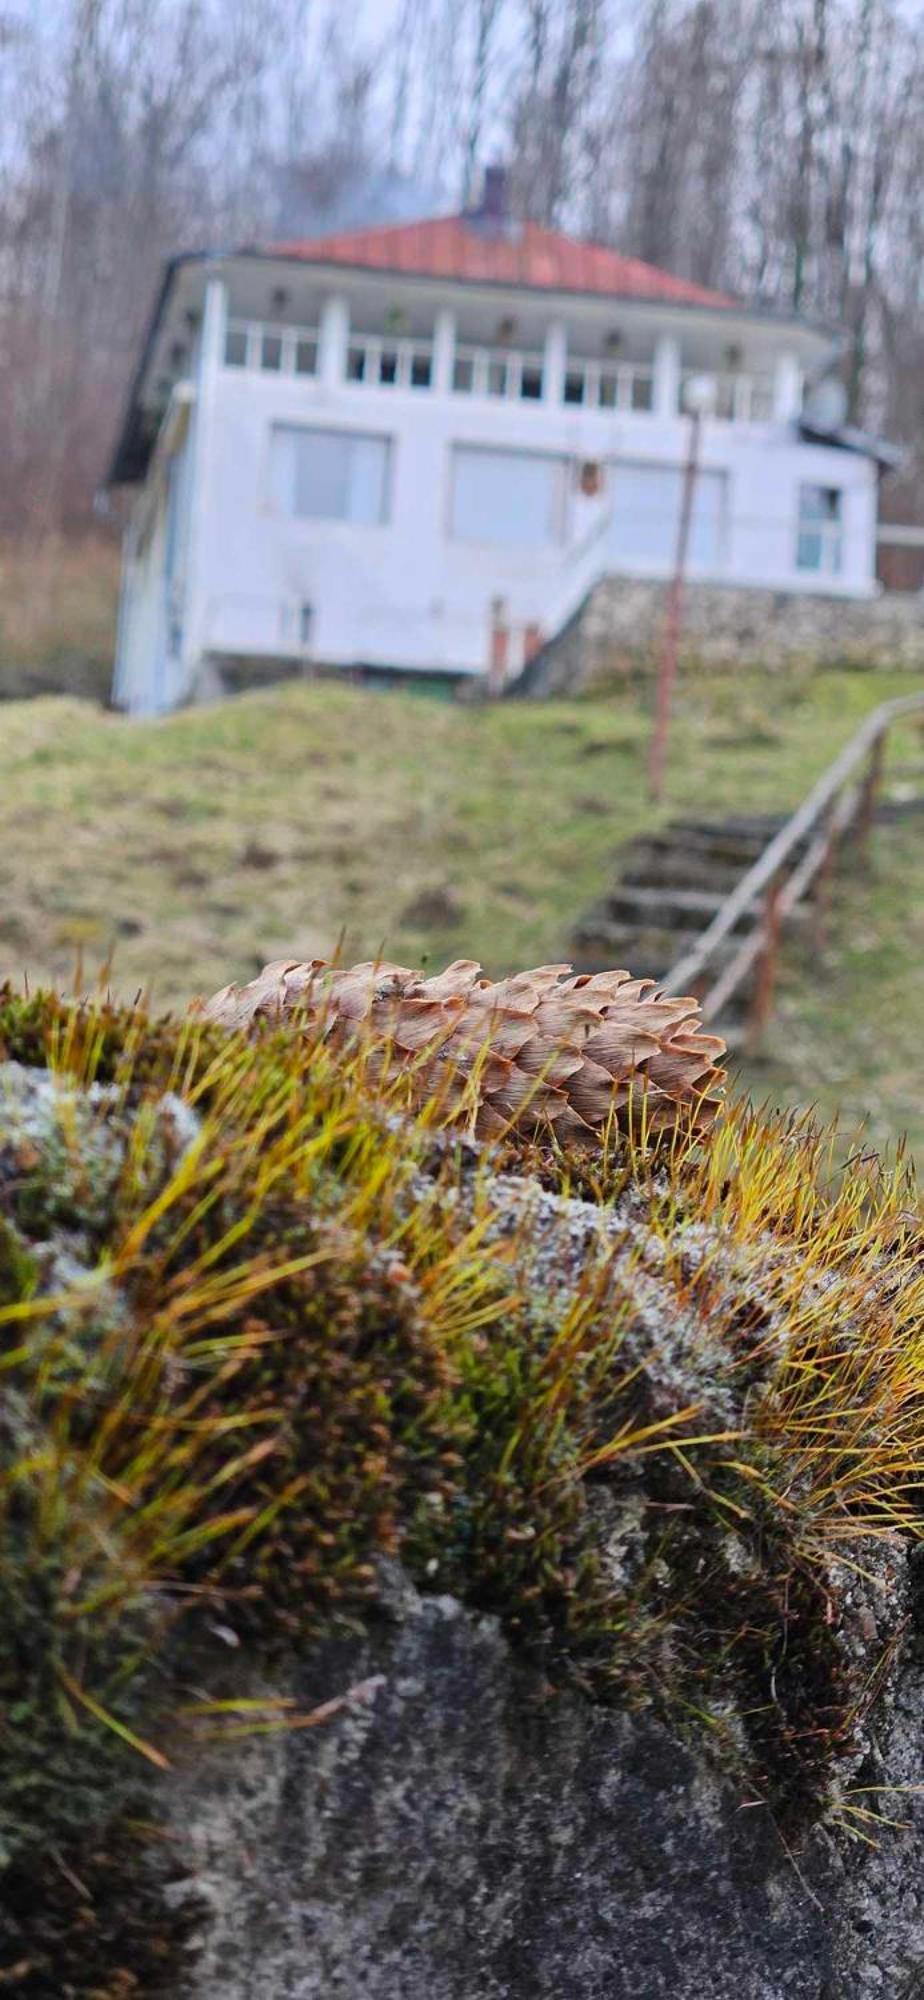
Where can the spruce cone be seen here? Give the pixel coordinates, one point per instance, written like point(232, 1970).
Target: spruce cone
point(544, 1049)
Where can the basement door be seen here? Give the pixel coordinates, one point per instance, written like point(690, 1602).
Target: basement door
point(646, 517)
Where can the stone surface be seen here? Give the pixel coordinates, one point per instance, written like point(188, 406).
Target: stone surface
point(459, 1831)
point(619, 628)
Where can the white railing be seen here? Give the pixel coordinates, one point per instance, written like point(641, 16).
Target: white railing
point(507, 372)
point(380, 363)
point(609, 385)
point(276, 350)
point(739, 399)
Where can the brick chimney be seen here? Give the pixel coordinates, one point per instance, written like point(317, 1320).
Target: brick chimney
point(491, 216)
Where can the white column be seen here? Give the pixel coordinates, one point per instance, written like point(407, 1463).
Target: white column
point(787, 389)
point(666, 383)
point(444, 350)
point(199, 513)
point(554, 362)
point(335, 334)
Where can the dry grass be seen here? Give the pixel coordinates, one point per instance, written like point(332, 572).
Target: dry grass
point(58, 617)
point(288, 823)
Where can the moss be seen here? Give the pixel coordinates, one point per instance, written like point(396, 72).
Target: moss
point(656, 1410)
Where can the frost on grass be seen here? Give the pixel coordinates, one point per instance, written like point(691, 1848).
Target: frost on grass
point(264, 1324)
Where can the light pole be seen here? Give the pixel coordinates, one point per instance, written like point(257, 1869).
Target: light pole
point(699, 401)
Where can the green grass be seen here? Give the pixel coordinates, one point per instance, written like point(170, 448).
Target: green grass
point(282, 824)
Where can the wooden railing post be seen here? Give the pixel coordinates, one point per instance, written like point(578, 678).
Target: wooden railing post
point(869, 792)
point(822, 903)
point(765, 983)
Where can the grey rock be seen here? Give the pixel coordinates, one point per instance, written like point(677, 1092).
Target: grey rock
point(457, 1830)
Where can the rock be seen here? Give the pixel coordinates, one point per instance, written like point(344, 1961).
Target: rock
point(466, 1832)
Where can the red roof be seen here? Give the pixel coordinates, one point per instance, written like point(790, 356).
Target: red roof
point(459, 247)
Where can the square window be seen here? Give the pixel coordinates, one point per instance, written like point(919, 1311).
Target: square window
point(322, 475)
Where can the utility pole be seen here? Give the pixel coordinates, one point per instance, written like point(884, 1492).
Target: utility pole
point(699, 399)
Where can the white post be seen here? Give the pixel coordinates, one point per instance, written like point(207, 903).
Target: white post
point(787, 389)
point(211, 363)
point(555, 362)
point(444, 350)
point(334, 339)
point(665, 398)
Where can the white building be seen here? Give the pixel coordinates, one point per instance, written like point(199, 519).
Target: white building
point(419, 447)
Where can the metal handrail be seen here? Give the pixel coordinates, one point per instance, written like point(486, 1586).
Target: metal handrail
point(843, 807)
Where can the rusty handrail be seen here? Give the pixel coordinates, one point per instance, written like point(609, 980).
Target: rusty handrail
point(828, 797)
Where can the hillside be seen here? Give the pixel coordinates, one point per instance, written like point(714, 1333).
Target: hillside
point(195, 848)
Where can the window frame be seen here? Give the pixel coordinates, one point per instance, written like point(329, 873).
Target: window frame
point(559, 460)
point(827, 529)
point(351, 435)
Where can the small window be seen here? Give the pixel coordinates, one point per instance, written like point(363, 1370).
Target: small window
point(271, 351)
point(820, 540)
point(574, 386)
point(321, 475)
point(388, 367)
point(420, 371)
point(608, 394)
point(236, 347)
point(497, 378)
point(531, 383)
point(356, 364)
point(306, 357)
point(463, 374)
point(509, 499)
point(641, 392)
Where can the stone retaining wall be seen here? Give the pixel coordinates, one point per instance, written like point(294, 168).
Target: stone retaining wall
point(619, 628)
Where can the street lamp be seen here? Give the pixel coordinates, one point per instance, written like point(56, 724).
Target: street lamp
point(699, 399)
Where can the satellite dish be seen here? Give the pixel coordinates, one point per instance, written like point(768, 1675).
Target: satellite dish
point(826, 405)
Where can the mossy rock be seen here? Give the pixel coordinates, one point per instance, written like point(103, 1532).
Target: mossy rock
point(264, 1329)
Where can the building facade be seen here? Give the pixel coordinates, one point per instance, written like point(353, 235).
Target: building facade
point(419, 447)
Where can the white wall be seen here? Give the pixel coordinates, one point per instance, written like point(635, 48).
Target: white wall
point(405, 593)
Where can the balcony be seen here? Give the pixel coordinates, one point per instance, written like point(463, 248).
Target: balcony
point(466, 368)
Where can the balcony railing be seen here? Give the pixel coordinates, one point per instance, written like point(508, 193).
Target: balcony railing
point(381, 363)
point(507, 372)
point(601, 385)
point(277, 350)
point(510, 374)
point(740, 399)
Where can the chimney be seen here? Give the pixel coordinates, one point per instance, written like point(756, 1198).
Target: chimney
point(491, 215)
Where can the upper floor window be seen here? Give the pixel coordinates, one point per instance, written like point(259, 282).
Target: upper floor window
point(511, 499)
point(820, 539)
point(323, 475)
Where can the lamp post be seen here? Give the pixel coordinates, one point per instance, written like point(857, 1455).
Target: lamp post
point(699, 401)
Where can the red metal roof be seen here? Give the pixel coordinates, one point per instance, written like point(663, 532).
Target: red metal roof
point(461, 248)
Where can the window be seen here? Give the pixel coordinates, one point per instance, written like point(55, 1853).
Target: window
point(511, 499)
point(270, 350)
point(236, 347)
point(646, 516)
point(820, 539)
point(320, 475)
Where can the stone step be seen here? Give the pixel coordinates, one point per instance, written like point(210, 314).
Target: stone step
point(674, 868)
point(668, 908)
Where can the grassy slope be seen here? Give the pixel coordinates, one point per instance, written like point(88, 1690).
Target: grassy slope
point(202, 845)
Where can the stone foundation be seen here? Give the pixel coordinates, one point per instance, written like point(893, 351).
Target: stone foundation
point(619, 627)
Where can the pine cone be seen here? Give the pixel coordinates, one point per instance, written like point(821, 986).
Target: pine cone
point(543, 1049)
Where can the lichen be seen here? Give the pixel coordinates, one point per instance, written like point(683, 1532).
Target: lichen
point(262, 1325)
